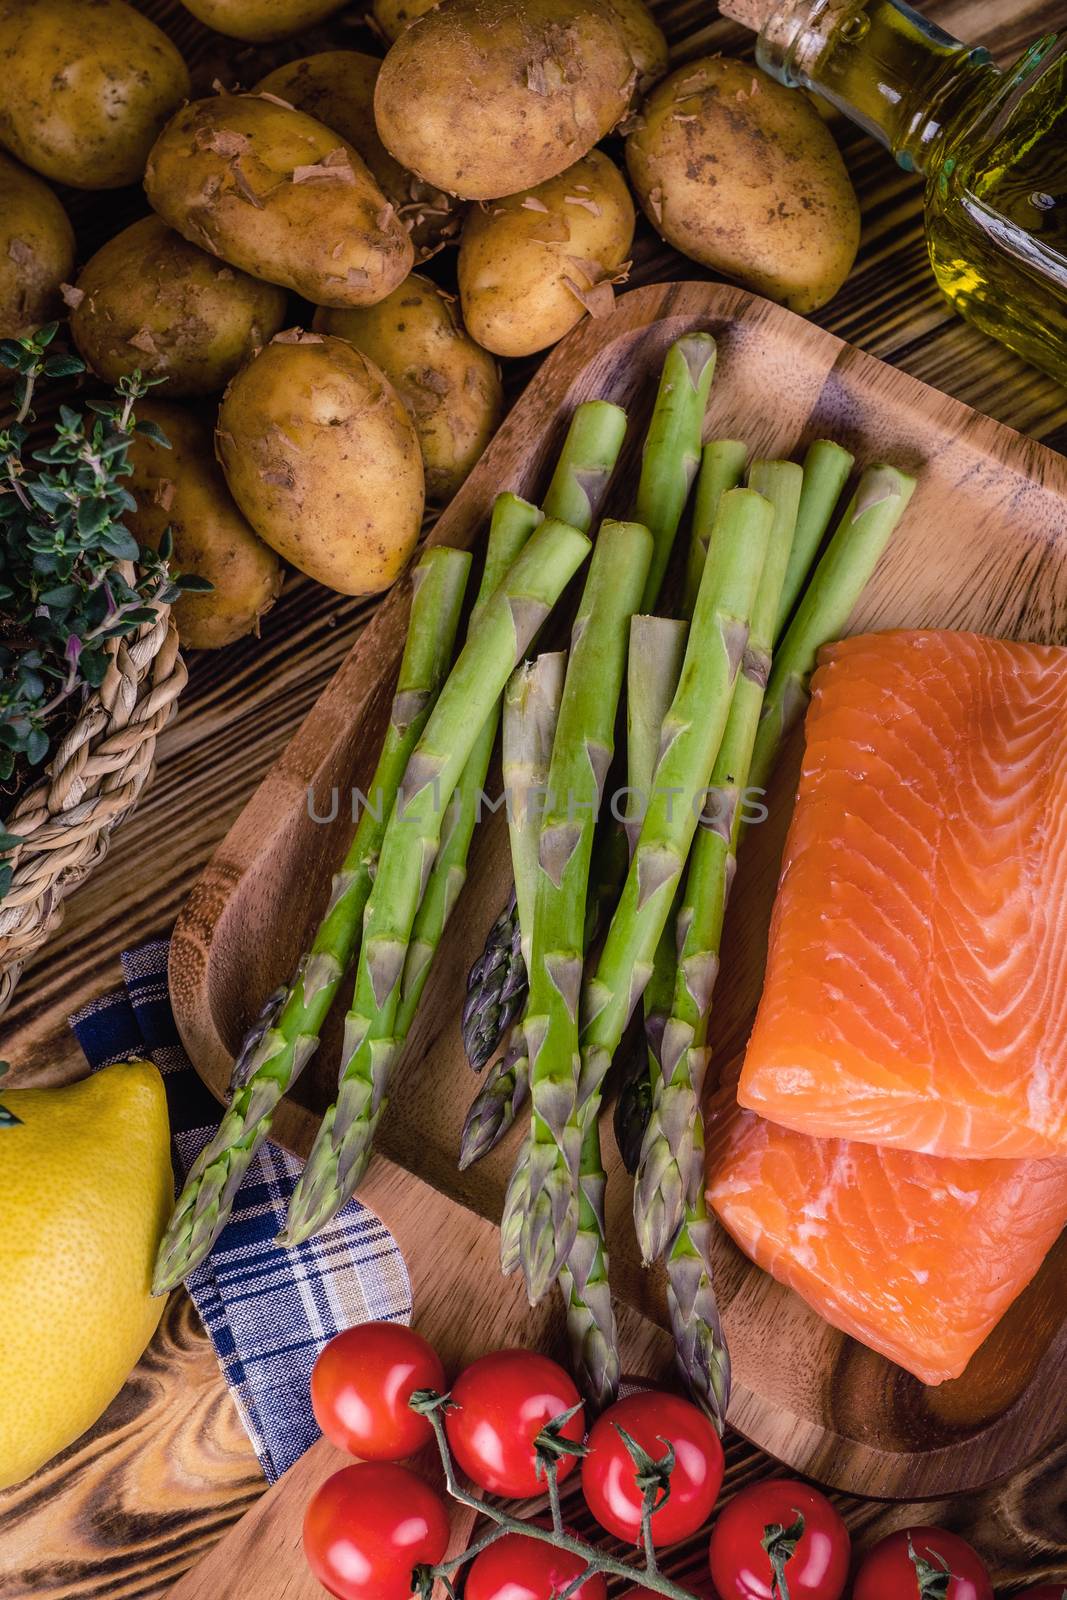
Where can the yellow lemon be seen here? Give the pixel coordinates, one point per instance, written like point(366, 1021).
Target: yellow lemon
point(85, 1191)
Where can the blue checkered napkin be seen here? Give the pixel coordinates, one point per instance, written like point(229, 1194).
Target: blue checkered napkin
point(268, 1311)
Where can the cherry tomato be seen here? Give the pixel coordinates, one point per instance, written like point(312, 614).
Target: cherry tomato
point(519, 1568)
point(501, 1403)
point(815, 1568)
point(890, 1573)
point(361, 1384)
point(368, 1527)
point(609, 1477)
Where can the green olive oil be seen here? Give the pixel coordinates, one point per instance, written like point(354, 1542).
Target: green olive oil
point(990, 144)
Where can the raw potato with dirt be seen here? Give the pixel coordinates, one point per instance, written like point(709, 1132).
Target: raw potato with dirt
point(36, 251)
point(450, 386)
point(324, 461)
point(182, 488)
point(642, 34)
point(485, 100)
point(743, 176)
point(336, 87)
point(151, 301)
point(279, 195)
point(87, 86)
point(532, 265)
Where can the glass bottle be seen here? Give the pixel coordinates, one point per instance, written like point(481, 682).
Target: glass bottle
point(991, 145)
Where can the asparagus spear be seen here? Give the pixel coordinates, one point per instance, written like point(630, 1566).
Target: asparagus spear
point(531, 707)
point(671, 453)
point(654, 665)
point(861, 536)
point(722, 466)
point(581, 755)
point(498, 640)
point(512, 524)
point(657, 647)
point(496, 989)
point(531, 711)
point(583, 1280)
point(692, 733)
point(496, 983)
point(498, 1102)
point(666, 1172)
point(826, 470)
point(282, 1051)
point(669, 1192)
point(586, 463)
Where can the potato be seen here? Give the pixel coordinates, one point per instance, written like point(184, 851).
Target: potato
point(36, 251)
point(393, 16)
point(484, 100)
point(533, 264)
point(643, 37)
point(260, 20)
point(273, 192)
point(337, 88)
point(183, 488)
point(451, 387)
point(324, 461)
point(149, 299)
point(743, 176)
point(87, 86)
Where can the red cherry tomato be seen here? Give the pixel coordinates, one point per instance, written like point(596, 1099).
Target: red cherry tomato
point(741, 1566)
point(367, 1529)
point(500, 1404)
point(519, 1568)
point(361, 1384)
point(609, 1477)
point(889, 1573)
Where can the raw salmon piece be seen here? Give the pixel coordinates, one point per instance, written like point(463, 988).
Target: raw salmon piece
point(916, 988)
point(916, 1256)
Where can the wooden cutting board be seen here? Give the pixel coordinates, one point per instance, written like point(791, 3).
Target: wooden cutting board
point(983, 547)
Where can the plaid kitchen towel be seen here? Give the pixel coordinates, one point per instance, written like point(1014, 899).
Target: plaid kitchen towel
point(268, 1311)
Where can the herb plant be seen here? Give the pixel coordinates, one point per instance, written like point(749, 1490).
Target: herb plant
point(72, 577)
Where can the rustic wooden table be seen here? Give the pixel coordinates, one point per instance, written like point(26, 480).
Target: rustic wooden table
point(168, 1468)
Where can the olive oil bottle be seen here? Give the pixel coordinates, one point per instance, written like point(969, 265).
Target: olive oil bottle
point(990, 144)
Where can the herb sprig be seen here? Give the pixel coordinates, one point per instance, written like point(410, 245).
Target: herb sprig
point(72, 577)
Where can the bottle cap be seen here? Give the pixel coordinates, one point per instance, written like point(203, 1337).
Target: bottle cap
point(750, 13)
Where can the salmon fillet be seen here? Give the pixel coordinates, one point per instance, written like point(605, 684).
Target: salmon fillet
point(916, 1256)
point(916, 987)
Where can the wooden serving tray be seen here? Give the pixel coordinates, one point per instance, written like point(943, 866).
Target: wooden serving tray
point(984, 546)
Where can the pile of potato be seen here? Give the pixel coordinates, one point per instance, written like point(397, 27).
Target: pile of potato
point(331, 179)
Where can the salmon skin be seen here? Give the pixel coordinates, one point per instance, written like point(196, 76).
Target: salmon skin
point(916, 1256)
point(916, 987)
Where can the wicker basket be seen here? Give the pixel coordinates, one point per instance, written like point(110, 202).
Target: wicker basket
point(92, 781)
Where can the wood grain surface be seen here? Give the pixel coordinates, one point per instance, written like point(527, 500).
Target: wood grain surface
point(168, 1468)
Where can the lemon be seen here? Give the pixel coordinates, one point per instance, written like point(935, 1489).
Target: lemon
point(85, 1191)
